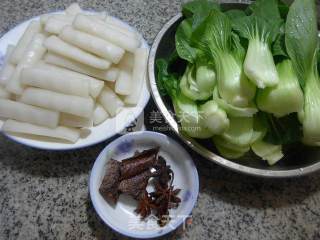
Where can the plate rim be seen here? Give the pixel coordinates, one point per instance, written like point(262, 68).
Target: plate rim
point(100, 160)
point(73, 146)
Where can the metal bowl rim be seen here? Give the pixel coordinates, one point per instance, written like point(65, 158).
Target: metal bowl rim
point(196, 146)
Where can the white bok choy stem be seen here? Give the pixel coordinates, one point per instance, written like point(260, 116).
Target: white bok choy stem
point(237, 139)
point(268, 152)
point(286, 97)
point(190, 118)
point(261, 28)
point(198, 82)
point(227, 54)
point(214, 118)
point(259, 65)
point(302, 44)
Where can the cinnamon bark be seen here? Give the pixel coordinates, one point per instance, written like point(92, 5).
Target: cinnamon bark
point(136, 185)
point(110, 182)
point(138, 163)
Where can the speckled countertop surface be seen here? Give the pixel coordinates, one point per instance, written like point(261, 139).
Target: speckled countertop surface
point(44, 195)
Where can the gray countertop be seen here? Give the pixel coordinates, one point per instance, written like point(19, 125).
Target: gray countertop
point(44, 195)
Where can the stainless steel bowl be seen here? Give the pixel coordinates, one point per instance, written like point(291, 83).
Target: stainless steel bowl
point(298, 160)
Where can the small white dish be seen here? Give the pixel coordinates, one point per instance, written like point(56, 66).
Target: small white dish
point(121, 217)
point(95, 134)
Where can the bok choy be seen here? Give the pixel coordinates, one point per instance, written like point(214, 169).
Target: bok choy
point(198, 83)
point(286, 97)
point(248, 80)
point(214, 37)
point(302, 46)
point(198, 123)
point(261, 28)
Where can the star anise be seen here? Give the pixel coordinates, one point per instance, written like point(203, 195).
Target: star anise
point(131, 176)
point(163, 172)
point(145, 205)
point(165, 198)
point(163, 217)
point(169, 195)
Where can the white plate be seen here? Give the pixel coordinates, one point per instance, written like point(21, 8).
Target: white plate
point(97, 134)
point(122, 217)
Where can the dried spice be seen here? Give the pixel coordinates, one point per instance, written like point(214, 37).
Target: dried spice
point(110, 183)
point(138, 163)
point(165, 197)
point(131, 176)
point(136, 185)
point(117, 171)
point(145, 205)
point(163, 171)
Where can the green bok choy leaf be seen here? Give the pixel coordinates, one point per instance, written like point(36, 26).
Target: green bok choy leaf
point(261, 28)
point(302, 47)
point(214, 37)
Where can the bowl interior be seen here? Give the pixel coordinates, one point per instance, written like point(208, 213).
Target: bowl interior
point(121, 217)
point(296, 157)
